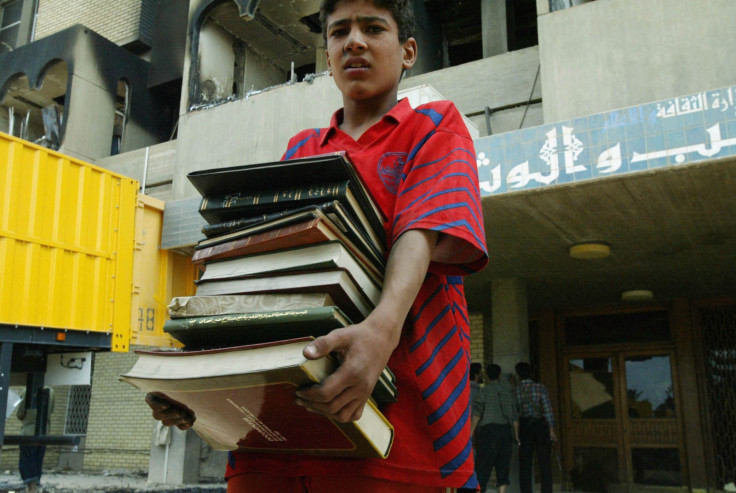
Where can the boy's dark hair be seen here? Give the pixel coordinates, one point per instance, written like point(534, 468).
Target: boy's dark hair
point(402, 11)
point(524, 370)
point(493, 371)
point(475, 369)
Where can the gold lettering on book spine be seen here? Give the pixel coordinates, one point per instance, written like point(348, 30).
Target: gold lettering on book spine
point(245, 317)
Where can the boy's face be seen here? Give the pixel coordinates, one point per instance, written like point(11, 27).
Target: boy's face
point(364, 52)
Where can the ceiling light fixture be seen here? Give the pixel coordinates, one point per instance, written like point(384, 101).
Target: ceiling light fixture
point(590, 250)
point(637, 295)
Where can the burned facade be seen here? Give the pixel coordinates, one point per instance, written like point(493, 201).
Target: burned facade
point(606, 184)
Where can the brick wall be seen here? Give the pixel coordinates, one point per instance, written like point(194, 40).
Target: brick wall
point(120, 425)
point(116, 20)
point(478, 340)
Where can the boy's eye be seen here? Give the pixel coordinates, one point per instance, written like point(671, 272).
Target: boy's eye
point(374, 29)
point(338, 32)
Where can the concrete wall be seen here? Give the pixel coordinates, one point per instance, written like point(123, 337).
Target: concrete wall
point(250, 130)
point(155, 176)
point(216, 61)
point(644, 51)
point(503, 83)
point(89, 120)
point(117, 20)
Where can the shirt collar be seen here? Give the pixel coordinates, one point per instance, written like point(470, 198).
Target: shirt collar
point(397, 114)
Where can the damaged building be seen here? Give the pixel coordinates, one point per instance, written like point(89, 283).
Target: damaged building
point(605, 134)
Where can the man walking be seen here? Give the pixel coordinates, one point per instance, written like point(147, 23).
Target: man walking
point(536, 429)
point(494, 410)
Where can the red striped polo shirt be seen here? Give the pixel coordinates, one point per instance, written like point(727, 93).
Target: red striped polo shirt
point(419, 165)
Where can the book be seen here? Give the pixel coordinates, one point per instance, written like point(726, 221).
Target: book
point(213, 230)
point(385, 390)
point(338, 283)
point(242, 399)
point(198, 306)
point(332, 254)
point(302, 172)
point(237, 329)
point(324, 221)
point(237, 205)
point(315, 229)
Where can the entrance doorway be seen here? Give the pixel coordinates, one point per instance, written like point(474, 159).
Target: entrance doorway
point(620, 415)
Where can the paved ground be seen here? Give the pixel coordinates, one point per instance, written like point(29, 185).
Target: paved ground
point(64, 482)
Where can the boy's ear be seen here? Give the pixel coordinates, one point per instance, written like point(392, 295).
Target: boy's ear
point(410, 53)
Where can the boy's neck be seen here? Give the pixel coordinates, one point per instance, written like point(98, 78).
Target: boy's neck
point(359, 116)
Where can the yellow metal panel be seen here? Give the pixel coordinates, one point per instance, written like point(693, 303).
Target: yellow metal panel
point(67, 232)
point(157, 276)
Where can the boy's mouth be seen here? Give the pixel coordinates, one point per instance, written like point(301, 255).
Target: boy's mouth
point(354, 63)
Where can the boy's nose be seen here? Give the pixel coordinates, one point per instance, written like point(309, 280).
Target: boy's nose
point(354, 42)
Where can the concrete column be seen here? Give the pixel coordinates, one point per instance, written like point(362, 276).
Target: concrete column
point(89, 120)
point(495, 35)
point(174, 456)
point(510, 323)
point(510, 327)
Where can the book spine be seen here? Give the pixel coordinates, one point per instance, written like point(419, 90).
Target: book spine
point(260, 242)
point(213, 230)
point(211, 207)
point(249, 319)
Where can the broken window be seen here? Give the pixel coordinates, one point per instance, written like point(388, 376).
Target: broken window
point(10, 15)
point(237, 55)
point(35, 114)
point(464, 23)
point(121, 117)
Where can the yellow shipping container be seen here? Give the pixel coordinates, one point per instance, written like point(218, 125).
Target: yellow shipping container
point(158, 275)
point(72, 242)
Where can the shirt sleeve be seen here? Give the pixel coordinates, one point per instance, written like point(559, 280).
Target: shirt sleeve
point(478, 404)
point(509, 406)
point(438, 191)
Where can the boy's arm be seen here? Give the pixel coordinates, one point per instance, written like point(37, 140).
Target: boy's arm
point(364, 348)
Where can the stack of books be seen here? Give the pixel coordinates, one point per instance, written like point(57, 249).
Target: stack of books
point(293, 250)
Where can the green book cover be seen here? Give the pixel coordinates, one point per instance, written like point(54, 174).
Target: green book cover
point(252, 328)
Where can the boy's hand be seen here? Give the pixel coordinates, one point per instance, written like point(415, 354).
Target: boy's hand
point(168, 413)
point(362, 351)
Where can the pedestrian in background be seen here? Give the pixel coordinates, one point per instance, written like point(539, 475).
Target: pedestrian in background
point(536, 429)
point(495, 417)
point(30, 460)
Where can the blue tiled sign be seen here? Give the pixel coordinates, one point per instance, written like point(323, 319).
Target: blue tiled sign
point(676, 131)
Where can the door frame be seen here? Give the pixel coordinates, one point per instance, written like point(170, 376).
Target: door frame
point(617, 354)
point(680, 348)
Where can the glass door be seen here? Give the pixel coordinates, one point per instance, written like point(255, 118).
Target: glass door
point(651, 437)
point(620, 419)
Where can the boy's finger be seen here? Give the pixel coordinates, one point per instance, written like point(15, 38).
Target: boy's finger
point(324, 345)
point(157, 403)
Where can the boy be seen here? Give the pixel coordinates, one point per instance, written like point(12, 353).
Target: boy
point(420, 167)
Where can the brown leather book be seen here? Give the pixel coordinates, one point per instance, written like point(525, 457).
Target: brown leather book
point(243, 399)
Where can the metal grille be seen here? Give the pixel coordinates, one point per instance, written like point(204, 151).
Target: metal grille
point(77, 410)
point(719, 342)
